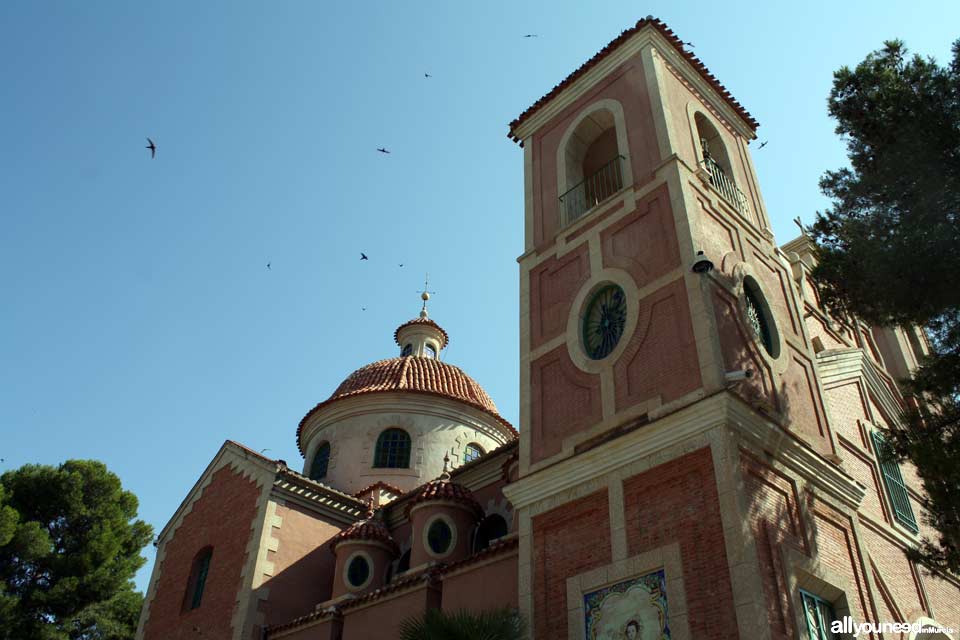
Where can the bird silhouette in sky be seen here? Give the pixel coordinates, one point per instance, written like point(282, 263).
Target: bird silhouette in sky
point(687, 44)
point(363, 308)
point(401, 264)
point(363, 256)
point(382, 150)
point(152, 147)
point(531, 35)
point(268, 267)
point(262, 451)
point(763, 144)
point(427, 75)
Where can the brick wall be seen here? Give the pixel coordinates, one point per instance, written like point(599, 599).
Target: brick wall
point(222, 517)
point(677, 502)
point(567, 541)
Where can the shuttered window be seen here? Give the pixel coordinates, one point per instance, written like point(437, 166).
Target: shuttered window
point(896, 488)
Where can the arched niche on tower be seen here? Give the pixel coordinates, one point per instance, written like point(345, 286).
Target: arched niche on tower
point(595, 138)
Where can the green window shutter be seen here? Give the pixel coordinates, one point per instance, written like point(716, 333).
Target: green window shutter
point(896, 488)
point(818, 614)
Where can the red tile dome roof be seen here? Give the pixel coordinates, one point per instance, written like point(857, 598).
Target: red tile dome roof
point(413, 374)
point(370, 529)
point(442, 490)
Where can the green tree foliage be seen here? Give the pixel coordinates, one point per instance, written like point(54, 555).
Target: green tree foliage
point(69, 549)
point(889, 251)
point(496, 624)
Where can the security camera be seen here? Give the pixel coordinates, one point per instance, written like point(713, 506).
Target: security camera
point(738, 376)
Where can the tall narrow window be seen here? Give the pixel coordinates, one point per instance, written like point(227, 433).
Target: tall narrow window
point(896, 488)
point(198, 578)
point(393, 450)
point(429, 351)
point(472, 452)
point(818, 614)
point(321, 460)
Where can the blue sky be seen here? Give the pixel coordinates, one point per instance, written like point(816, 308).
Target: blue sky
point(139, 323)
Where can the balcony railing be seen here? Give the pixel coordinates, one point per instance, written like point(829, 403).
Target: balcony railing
point(726, 186)
point(592, 190)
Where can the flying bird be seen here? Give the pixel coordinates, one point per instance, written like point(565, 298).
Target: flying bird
point(427, 75)
point(263, 450)
point(382, 150)
point(531, 35)
point(152, 147)
point(687, 44)
point(401, 264)
point(268, 267)
point(763, 144)
point(363, 256)
point(363, 308)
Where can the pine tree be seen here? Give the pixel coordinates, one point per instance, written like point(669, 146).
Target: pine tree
point(889, 252)
point(69, 549)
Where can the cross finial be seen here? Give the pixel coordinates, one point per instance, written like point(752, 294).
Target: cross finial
point(425, 295)
point(445, 474)
point(370, 509)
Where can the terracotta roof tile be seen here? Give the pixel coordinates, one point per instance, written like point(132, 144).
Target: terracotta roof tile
point(414, 374)
point(369, 529)
point(442, 490)
point(426, 321)
point(616, 42)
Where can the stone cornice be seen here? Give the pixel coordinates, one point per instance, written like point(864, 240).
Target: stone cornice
point(722, 410)
point(406, 402)
point(837, 365)
point(318, 498)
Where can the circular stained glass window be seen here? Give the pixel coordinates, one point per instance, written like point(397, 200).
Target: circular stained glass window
point(439, 536)
point(358, 571)
point(604, 321)
point(758, 316)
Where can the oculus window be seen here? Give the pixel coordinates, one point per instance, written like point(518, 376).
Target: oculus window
point(604, 320)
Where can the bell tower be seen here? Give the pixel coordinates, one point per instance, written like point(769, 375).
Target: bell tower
point(661, 333)
point(636, 168)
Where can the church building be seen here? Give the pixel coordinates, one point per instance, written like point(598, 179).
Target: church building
point(699, 453)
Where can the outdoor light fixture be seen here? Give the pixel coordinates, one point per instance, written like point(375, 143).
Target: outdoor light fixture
point(703, 264)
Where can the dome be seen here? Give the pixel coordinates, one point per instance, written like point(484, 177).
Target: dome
point(443, 490)
point(412, 374)
point(368, 530)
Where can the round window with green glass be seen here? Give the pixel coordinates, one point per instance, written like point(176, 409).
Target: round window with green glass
point(604, 320)
point(358, 571)
point(439, 536)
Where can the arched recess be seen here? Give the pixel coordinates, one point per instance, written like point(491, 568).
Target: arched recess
point(587, 158)
point(491, 528)
point(710, 143)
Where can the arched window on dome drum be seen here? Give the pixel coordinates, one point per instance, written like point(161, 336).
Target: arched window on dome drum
point(321, 459)
point(407, 350)
point(393, 450)
point(472, 452)
point(489, 529)
point(429, 351)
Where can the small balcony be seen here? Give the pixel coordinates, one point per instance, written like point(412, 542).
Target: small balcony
point(591, 191)
point(726, 186)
